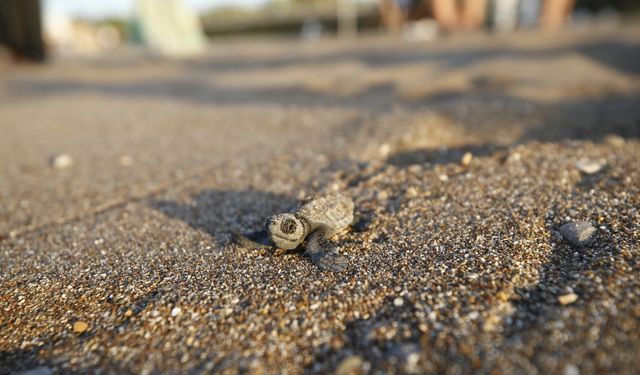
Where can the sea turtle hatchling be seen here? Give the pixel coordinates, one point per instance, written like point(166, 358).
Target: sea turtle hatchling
point(316, 221)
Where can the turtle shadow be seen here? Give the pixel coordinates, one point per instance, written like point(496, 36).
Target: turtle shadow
point(220, 212)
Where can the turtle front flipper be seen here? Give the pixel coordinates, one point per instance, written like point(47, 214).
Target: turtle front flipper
point(255, 240)
point(323, 253)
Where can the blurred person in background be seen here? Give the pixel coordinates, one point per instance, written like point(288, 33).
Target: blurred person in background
point(21, 29)
point(450, 14)
point(460, 15)
point(502, 15)
point(395, 13)
point(555, 13)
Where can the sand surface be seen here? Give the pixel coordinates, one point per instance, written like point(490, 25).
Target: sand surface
point(122, 261)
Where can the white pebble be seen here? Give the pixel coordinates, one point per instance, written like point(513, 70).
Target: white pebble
point(466, 159)
point(398, 302)
point(176, 311)
point(514, 157)
point(384, 149)
point(567, 299)
point(62, 161)
point(588, 166)
point(571, 370)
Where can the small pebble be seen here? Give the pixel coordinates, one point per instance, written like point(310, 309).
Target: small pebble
point(383, 195)
point(398, 301)
point(567, 299)
point(411, 192)
point(176, 311)
point(384, 149)
point(466, 159)
point(588, 166)
point(416, 168)
point(514, 157)
point(578, 233)
point(80, 326)
point(571, 370)
point(62, 161)
point(349, 365)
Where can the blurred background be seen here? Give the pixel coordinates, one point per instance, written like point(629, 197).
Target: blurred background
point(31, 28)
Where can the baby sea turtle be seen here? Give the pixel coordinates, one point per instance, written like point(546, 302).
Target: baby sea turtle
point(316, 221)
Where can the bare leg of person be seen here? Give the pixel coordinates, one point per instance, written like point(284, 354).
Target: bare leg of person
point(473, 13)
point(555, 13)
point(445, 13)
point(392, 16)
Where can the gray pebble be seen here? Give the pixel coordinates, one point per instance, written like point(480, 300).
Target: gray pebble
point(578, 233)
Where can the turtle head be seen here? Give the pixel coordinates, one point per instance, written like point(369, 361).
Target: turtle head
point(286, 231)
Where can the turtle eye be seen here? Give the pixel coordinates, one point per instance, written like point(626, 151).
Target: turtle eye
point(288, 226)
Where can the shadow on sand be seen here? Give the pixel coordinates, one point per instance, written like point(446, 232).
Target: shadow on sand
point(219, 212)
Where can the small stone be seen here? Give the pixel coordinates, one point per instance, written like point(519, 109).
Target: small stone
point(125, 160)
point(514, 157)
point(466, 159)
point(502, 296)
point(571, 370)
point(567, 299)
point(399, 301)
point(614, 140)
point(80, 326)
point(578, 233)
point(349, 365)
point(415, 168)
point(128, 313)
point(588, 166)
point(384, 149)
point(443, 177)
point(62, 161)
point(411, 192)
point(176, 311)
